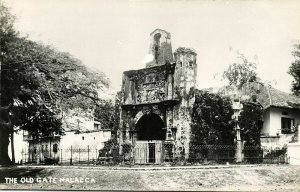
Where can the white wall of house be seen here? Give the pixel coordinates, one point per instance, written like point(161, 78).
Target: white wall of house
point(93, 141)
point(276, 115)
point(266, 127)
point(42, 149)
point(272, 120)
point(20, 146)
point(293, 153)
point(84, 146)
point(272, 135)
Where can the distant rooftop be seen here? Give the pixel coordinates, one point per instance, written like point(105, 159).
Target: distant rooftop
point(264, 94)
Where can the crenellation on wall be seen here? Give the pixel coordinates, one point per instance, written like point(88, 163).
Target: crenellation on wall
point(186, 68)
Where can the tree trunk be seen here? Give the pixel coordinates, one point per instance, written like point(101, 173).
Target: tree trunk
point(12, 146)
point(4, 142)
point(4, 131)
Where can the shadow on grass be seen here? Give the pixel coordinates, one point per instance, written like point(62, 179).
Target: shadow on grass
point(14, 172)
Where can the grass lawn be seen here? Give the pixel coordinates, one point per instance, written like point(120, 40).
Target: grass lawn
point(271, 177)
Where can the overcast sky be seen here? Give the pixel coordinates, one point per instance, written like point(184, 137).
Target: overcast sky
point(113, 36)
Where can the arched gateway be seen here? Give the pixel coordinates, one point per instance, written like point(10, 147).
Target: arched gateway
point(150, 127)
point(151, 133)
point(154, 103)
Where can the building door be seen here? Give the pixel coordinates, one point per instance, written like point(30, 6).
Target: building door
point(151, 152)
point(150, 136)
point(148, 152)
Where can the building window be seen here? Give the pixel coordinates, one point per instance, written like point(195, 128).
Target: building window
point(96, 126)
point(55, 148)
point(82, 138)
point(287, 125)
point(34, 150)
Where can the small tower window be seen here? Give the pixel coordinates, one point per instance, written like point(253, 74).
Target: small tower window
point(191, 63)
point(55, 148)
point(82, 138)
point(156, 46)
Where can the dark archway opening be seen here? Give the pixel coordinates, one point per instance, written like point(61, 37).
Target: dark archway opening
point(150, 127)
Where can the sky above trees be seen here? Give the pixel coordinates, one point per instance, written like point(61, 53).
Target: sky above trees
point(113, 36)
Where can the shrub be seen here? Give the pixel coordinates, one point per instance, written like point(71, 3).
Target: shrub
point(212, 123)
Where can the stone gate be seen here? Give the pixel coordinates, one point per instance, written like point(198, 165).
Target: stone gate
point(155, 103)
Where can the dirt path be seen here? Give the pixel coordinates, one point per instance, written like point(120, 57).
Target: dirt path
point(258, 178)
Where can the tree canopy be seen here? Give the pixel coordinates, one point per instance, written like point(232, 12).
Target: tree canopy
point(40, 84)
point(212, 119)
point(106, 115)
point(241, 72)
point(251, 124)
point(294, 70)
point(212, 122)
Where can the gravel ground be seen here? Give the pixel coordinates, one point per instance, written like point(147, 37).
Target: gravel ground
point(255, 178)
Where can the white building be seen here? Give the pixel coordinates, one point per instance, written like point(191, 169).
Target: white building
point(281, 111)
point(80, 143)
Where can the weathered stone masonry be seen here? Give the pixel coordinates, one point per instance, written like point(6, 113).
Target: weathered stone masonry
point(155, 103)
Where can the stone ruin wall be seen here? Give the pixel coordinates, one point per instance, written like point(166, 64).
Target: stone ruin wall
point(156, 83)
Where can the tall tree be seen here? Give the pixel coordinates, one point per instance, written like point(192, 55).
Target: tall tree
point(251, 123)
point(40, 85)
point(241, 72)
point(294, 70)
point(250, 119)
point(7, 34)
point(105, 113)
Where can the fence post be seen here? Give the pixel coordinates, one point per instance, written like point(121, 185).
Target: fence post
point(79, 155)
point(88, 154)
point(96, 156)
point(271, 155)
point(22, 156)
point(71, 157)
point(227, 154)
point(61, 156)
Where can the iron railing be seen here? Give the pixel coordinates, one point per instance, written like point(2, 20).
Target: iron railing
point(155, 153)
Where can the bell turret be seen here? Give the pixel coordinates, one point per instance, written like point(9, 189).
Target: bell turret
point(160, 48)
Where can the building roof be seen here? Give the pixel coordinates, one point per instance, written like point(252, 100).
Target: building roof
point(282, 99)
point(261, 93)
